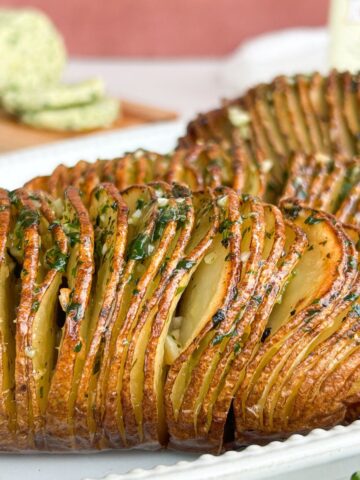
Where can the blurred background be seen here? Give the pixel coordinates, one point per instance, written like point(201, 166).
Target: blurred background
point(177, 57)
point(171, 28)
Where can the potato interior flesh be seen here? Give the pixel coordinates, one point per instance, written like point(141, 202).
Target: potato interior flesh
point(315, 271)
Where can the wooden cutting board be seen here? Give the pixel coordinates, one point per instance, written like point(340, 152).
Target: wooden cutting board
point(14, 135)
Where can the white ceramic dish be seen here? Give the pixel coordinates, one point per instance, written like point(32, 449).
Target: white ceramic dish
point(332, 455)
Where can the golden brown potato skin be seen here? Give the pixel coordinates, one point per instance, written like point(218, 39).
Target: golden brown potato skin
point(202, 300)
point(276, 342)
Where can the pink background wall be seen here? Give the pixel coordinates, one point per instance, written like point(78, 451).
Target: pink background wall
point(171, 27)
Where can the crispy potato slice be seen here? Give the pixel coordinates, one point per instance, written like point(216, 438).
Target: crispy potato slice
point(279, 399)
point(205, 322)
point(218, 125)
point(125, 172)
point(75, 299)
point(24, 247)
point(148, 166)
point(8, 303)
point(258, 149)
point(276, 157)
point(350, 178)
point(58, 181)
point(301, 172)
point(340, 135)
point(320, 181)
point(108, 214)
point(179, 210)
point(332, 185)
point(284, 116)
point(161, 237)
point(320, 107)
point(303, 305)
point(297, 119)
point(42, 323)
point(230, 372)
point(262, 99)
point(181, 169)
point(145, 254)
point(77, 173)
point(312, 122)
point(140, 204)
point(351, 105)
point(37, 183)
point(215, 401)
point(163, 344)
point(164, 235)
point(307, 404)
point(90, 180)
point(349, 211)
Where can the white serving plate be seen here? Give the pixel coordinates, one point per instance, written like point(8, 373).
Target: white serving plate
point(333, 454)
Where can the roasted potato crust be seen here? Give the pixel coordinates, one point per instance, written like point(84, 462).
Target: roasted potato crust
point(203, 299)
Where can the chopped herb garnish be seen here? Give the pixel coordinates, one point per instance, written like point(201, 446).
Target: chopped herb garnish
point(224, 229)
point(185, 264)
point(311, 313)
point(312, 220)
point(13, 198)
point(56, 259)
point(28, 218)
point(237, 348)
point(74, 309)
point(139, 204)
point(351, 297)
point(72, 230)
point(220, 336)
point(53, 225)
point(166, 215)
point(257, 299)
point(351, 265)
point(35, 306)
point(78, 347)
point(140, 248)
point(345, 188)
point(218, 317)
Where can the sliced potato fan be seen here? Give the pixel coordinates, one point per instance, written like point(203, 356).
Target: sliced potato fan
point(8, 301)
point(204, 309)
point(108, 215)
point(74, 337)
point(296, 321)
point(155, 300)
point(164, 339)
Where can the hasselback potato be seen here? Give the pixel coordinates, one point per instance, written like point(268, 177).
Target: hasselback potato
point(205, 299)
